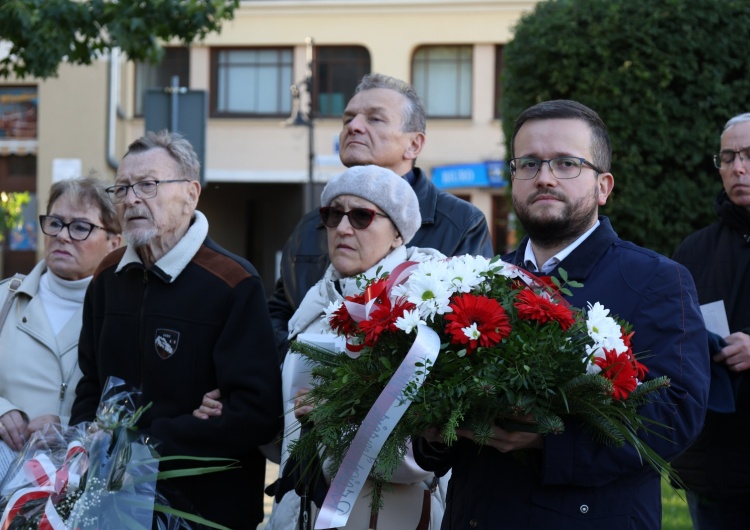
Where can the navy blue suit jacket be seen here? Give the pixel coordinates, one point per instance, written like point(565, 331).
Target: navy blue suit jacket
point(575, 482)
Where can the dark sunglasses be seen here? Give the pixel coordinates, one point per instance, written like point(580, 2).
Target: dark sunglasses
point(359, 218)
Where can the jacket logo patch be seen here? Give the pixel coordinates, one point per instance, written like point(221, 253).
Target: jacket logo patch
point(166, 342)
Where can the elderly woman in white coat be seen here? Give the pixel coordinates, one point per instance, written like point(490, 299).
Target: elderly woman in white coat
point(39, 336)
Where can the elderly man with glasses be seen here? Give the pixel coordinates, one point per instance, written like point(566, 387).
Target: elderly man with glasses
point(175, 315)
point(383, 124)
point(570, 480)
point(716, 468)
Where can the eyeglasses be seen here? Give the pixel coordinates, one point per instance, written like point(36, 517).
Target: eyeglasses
point(78, 230)
point(725, 159)
point(359, 218)
point(144, 189)
point(563, 167)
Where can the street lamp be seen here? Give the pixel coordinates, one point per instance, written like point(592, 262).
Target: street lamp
point(300, 118)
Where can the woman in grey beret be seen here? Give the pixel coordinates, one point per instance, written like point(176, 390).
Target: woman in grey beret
point(370, 214)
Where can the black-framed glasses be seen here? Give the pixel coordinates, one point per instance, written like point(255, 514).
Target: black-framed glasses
point(52, 225)
point(359, 218)
point(562, 167)
point(144, 189)
point(725, 159)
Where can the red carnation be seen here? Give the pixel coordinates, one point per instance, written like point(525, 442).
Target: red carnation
point(540, 308)
point(488, 315)
point(619, 369)
point(341, 322)
point(383, 318)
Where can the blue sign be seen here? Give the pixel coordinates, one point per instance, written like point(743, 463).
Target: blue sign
point(488, 174)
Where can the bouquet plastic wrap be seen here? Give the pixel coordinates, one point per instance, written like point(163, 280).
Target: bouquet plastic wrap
point(100, 475)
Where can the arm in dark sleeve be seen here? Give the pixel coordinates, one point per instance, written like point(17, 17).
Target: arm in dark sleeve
point(435, 457)
point(248, 376)
point(303, 262)
point(88, 391)
point(281, 311)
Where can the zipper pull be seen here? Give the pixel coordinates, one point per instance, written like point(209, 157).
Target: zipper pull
point(63, 388)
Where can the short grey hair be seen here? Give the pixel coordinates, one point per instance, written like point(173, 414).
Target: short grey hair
point(740, 118)
point(414, 115)
point(178, 147)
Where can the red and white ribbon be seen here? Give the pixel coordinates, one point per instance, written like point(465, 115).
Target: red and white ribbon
point(46, 479)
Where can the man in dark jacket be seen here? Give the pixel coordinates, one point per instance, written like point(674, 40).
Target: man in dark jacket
point(570, 481)
point(716, 468)
point(175, 315)
point(384, 125)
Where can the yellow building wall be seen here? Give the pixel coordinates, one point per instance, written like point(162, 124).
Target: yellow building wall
point(242, 154)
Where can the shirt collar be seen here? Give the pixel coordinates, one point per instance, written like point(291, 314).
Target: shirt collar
point(529, 259)
point(174, 262)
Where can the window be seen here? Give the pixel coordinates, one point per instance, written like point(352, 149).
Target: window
point(252, 82)
point(18, 173)
point(338, 70)
point(498, 81)
point(442, 78)
point(176, 62)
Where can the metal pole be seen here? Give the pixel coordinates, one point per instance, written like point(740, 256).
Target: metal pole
point(175, 101)
point(310, 43)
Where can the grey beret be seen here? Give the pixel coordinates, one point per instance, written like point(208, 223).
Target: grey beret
point(382, 187)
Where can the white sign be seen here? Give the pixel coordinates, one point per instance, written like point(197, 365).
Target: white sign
point(66, 168)
point(715, 317)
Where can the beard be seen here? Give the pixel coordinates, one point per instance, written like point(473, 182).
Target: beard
point(139, 236)
point(550, 230)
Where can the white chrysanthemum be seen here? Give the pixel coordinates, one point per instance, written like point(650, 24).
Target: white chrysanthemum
point(472, 332)
point(467, 272)
point(431, 295)
point(438, 269)
point(502, 268)
point(409, 321)
point(592, 368)
point(603, 329)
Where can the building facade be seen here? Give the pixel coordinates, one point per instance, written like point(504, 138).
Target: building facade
point(261, 171)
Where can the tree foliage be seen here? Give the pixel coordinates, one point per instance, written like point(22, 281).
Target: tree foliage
point(45, 33)
point(664, 75)
point(11, 215)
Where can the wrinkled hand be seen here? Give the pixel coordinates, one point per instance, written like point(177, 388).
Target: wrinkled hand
point(302, 404)
point(210, 406)
point(12, 428)
point(736, 355)
point(38, 423)
point(506, 441)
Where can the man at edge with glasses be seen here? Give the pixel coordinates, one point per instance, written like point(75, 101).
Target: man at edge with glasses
point(716, 468)
point(570, 481)
point(175, 316)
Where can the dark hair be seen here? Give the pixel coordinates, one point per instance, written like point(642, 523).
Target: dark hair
point(414, 116)
point(90, 192)
point(601, 149)
point(177, 147)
